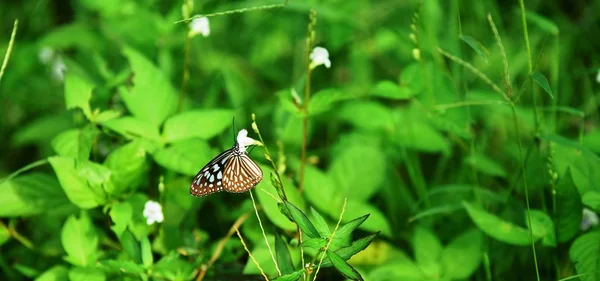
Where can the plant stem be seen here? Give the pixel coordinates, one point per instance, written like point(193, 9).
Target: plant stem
point(9, 48)
point(186, 74)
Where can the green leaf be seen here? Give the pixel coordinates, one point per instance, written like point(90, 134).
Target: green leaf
point(121, 215)
point(325, 199)
point(592, 200)
point(427, 248)
point(86, 274)
point(325, 100)
point(542, 227)
point(282, 253)
point(75, 184)
point(307, 227)
point(42, 130)
point(462, 256)
point(31, 194)
point(498, 228)
point(420, 136)
point(475, 45)
point(76, 143)
point(541, 80)
point(4, 234)
point(585, 254)
point(319, 223)
point(391, 90)
point(146, 249)
point(399, 268)
point(55, 273)
point(583, 163)
point(133, 127)
point(267, 197)
point(186, 156)
point(152, 98)
point(568, 208)
point(351, 180)
point(485, 165)
point(128, 165)
point(122, 266)
point(294, 276)
point(347, 252)
point(378, 221)
point(80, 240)
point(346, 230)
point(543, 23)
point(172, 267)
point(106, 115)
point(314, 243)
point(78, 93)
point(204, 124)
point(343, 267)
point(367, 115)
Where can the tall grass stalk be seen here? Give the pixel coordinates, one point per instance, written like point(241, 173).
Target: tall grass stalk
point(9, 48)
point(236, 11)
point(263, 233)
point(330, 238)
point(309, 43)
point(250, 255)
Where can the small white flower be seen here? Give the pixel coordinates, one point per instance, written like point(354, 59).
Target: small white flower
point(244, 141)
point(199, 26)
point(58, 69)
point(46, 54)
point(589, 219)
point(153, 212)
point(318, 56)
point(598, 76)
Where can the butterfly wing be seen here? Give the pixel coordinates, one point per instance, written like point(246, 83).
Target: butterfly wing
point(241, 174)
point(210, 178)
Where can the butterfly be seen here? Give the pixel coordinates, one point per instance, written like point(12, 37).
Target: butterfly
point(232, 171)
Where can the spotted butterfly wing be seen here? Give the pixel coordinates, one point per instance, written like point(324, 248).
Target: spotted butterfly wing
point(241, 174)
point(210, 178)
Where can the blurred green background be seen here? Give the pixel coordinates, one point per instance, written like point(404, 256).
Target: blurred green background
point(467, 130)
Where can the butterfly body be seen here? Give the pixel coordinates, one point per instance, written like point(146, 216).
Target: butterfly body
point(232, 171)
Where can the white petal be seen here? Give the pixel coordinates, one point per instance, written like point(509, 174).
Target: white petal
point(243, 140)
point(200, 26)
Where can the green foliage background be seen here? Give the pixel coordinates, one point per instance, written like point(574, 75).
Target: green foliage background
point(467, 130)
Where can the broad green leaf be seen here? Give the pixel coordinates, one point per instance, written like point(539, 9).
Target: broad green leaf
point(462, 256)
point(131, 246)
point(585, 254)
point(282, 254)
point(367, 115)
point(320, 190)
point(378, 221)
point(399, 268)
point(568, 208)
point(80, 240)
point(485, 165)
point(204, 124)
point(133, 127)
point(78, 93)
point(592, 200)
point(267, 197)
point(498, 228)
point(356, 246)
point(55, 273)
point(307, 227)
point(263, 257)
point(121, 215)
point(343, 267)
point(391, 90)
point(106, 115)
point(31, 194)
point(294, 276)
point(174, 268)
point(583, 163)
point(152, 97)
point(421, 137)
point(42, 130)
point(427, 248)
point(412, 77)
point(591, 140)
point(325, 100)
point(542, 226)
point(122, 266)
point(475, 45)
point(358, 182)
point(76, 143)
point(128, 165)
point(75, 185)
point(86, 274)
point(97, 177)
point(319, 223)
point(146, 249)
point(186, 156)
point(4, 234)
point(541, 80)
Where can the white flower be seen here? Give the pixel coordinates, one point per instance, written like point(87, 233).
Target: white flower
point(153, 212)
point(199, 26)
point(589, 219)
point(46, 54)
point(58, 69)
point(318, 56)
point(598, 76)
point(244, 141)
